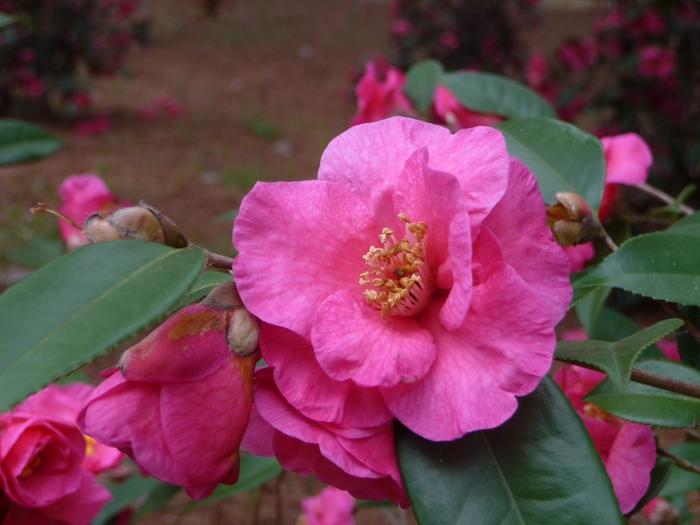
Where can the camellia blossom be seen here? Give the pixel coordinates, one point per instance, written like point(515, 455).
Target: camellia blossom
point(579, 255)
point(377, 100)
point(179, 402)
point(417, 275)
point(82, 196)
point(330, 507)
point(450, 111)
point(627, 449)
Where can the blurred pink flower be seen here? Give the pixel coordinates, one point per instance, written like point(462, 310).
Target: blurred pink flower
point(169, 106)
point(627, 159)
point(669, 349)
point(448, 320)
point(377, 100)
point(401, 27)
point(450, 111)
point(82, 196)
point(94, 126)
point(537, 70)
point(149, 113)
point(331, 507)
point(628, 450)
point(650, 22)
point(660, 511)
point(179, 403)
point(579, 55)
point(656, 62)
point(579, 255)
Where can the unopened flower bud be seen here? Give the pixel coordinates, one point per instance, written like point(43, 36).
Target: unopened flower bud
point(242, 327)
point(98, 229)
point(572, 220)
point(171, 233)
point(137, 224)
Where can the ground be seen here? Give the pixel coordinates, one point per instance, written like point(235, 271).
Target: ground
point(264, 88)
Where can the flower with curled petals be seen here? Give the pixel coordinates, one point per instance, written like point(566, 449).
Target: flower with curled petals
point(418, 269)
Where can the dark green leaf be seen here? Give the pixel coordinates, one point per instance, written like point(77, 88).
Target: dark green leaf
point(691, 223)
point(587, 310)
point(488, 93)
point(659, 476)
point(611, 325)
point(206, 282)
point(6, 20)
point(22, 142)
point(124, 494)
point(158, 497)
point(560, 155)
point(539, 467)
point(648, 405)
point(688, 347)
point(661, 265)
point(682, 481)
point(615, 359)
point(79, 376)
point(81, 305)
point(37, 252)
point(421, 80)
point(255, 471)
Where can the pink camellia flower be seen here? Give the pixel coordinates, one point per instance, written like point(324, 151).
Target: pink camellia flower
point(537, 70)
point(445, 320)
point(660, 511)
point(656, 62)
point(579, 255)
point(179, 402)
point(82, 196)
point(41, 474)
point(627, 449)
point(450, 111)
point(378, 100)
point(670, 350)
point(94, 126)
point(330, 507)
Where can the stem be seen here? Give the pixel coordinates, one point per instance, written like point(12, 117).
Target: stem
point(608, 240)
point(679, 461)
point(45, 207)
point(692, 433)
point(666, 383)
point(664, 197)
point(214, 260)
point(689, 325)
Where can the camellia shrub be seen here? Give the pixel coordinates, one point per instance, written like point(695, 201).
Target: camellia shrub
point(48, 48)
point(406, 305)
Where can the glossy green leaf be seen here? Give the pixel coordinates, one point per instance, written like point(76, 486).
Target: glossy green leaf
point(489, 93)
point(158, 497)
point(659, 476)
point(206, 282)
point(588, 308)
point(255, 471)
point(615, 359)
point(611, 325)
point(691, 223)
point(648, 405)
point(661, 265)
point(81, 305)
point(22, 142)
point(560, 155)
point(421, 80)
point(6, 20)
point(37, 252)
point(688, 347)
point(125, 494)
point(539, 467)
point(682, 481)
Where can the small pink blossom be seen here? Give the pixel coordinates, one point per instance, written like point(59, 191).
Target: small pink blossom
point(477, 282)
point(149, 113)
point(94, 126)
point(378, 100)
point(169, 106)
point(82, 196)
point(579, 55)
point(449, 110)
point(656, 62)
point(179, 403)
point(650, 22)
point(670, 350)
point(537, 71)
point(627, 159)
point(660, 511)
point(449, 40)
point(331, 507)
point(579, 255)
point(627, 449)
point(401, 27)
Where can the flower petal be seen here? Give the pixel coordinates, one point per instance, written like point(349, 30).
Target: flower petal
point(627, 158)
point(287, 268)
point(352, 341)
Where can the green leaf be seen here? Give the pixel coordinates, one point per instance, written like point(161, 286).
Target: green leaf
point(648, 405)
point(682, 481)
point(124, 494)
point(659, 476)
point(661, 265)
point(560, 155)
point(611, 325)
point(688, 347)
point(421, 80)
point(227, 216)
point(588, 308)
point(158, 497)
point(37, 252)
point(81, 305)
point(615, 359)
point(691, 223)
point(206, 282)
point(6, 20)
point(489, 93)
point(22, 142)
point(255, 471)
point(539, 467)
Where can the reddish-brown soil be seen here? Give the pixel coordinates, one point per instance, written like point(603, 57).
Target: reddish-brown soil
point(261, 88)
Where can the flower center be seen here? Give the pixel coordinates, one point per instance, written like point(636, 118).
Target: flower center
point(401, 281)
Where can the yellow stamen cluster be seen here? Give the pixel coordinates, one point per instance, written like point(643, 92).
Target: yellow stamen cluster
point(594, 412)
point(395, 269)
point(31, 467)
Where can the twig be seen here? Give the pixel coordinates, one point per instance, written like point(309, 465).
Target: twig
point(214, 260)
point(679, 461)
point(664, 197)
point(689, 325)
point(692, 433)
point(608, 240)
point(666, 383)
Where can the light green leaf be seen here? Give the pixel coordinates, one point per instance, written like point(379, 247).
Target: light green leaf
point(421, 80)
point(648, 405)
point(539, 467)
point(489, 93)
point(560, 155)
point(37, 252)
point(79, 306)
point(6, 20)
point(615, 359)
point(22, 142)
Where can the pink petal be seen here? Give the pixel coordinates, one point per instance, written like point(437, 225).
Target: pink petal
point(502, 350)
point(57, 402)
point(308, 388)
point(384, 352)
point(281, 277)
point(519, 222)
point(628, 159)
point(82, 506)
point(258, 436)
point(331, 507)
point(579, 255)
